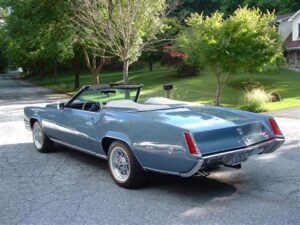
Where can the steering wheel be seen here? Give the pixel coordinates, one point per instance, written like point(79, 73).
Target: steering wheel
point(92, 104)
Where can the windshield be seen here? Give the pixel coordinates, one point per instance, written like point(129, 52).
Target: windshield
point(104, 94)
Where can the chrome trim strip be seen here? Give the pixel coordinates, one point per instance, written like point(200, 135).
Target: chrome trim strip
point(194, 170)
point(79, 148)
point(243, 149)
point(161, 171)
point(27, 125)
point(187, 174)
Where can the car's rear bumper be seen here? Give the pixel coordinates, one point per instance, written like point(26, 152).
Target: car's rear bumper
point(234, 157)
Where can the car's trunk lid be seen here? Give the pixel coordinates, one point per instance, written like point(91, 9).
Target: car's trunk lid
point(215, 129)
point(232, 137)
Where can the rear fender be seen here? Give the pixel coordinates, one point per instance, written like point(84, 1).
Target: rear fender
point(119, 136)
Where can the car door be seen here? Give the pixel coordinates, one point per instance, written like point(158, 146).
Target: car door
point(80, 126)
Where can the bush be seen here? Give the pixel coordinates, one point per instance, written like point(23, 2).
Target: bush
point(255, 100)
point(188, 70)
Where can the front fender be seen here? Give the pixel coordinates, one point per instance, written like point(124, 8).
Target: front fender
point(32, 113)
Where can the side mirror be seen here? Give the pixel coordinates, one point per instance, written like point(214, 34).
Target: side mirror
point(60, 106)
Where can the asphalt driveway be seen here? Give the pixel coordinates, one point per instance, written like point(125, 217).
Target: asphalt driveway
point(68, 187)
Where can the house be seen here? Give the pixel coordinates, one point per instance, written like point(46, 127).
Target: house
point(289, 30)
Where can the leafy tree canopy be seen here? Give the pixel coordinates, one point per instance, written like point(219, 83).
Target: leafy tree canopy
point(247, 40)
point(207, 7)
point(279, 6)
point(37, 32)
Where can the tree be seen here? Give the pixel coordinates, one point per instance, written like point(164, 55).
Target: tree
point(94, 52)
point(121, 28)
point(3, 59)
point(3, 42)
point(186, 7)
point(156, 51)
point(279, 6)
point(38, 34)
point(230, 45)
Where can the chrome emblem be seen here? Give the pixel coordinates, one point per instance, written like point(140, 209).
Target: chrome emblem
point(170, 150)
point(239, 131)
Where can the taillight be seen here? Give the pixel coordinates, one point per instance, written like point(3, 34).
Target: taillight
point(191, 144)
point(275, 128)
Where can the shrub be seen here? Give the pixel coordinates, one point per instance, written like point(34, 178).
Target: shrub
point(174, 58)
point(255, 100)
point(188, 70)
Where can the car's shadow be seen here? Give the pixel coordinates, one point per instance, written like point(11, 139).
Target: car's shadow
point(192, 187)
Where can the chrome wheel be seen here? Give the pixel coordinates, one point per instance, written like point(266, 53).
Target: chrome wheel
point(120, 164)
point(37, 136)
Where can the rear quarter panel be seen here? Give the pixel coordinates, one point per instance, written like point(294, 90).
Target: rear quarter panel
point(156, 145)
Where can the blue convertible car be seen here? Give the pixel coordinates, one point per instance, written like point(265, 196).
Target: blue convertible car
point(160, 135)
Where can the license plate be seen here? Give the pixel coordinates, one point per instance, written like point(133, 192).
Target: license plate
point(240, 157)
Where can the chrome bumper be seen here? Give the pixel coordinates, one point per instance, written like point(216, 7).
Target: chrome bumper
point(234, 157)
point(27, 124)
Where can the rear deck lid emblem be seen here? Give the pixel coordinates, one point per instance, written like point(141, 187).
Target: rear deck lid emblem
point(239, 131)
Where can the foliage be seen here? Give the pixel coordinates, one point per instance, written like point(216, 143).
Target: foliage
point(172, 57)
point(36, 36)
point(279, 6)
point(176, 59)
point(255, 100)
point(186, 7)
point(207, 7)
point(3, 59)
point(230, 45)
point(188, 70)
point(126, 27)
point(156, 52)
point(3, 40)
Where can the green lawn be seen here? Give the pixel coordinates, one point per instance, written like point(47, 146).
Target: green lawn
point(199, 89)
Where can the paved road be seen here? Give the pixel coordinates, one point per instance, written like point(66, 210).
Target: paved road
point(292, 113)
point(68, 187)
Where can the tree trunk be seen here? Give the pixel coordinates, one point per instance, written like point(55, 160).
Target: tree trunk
point(125, 71)
point(217, 74)
point(55, 72)
point(76, 67)
point(150, 65)
point(92, 66)
point(95, 77)
point(218, 93)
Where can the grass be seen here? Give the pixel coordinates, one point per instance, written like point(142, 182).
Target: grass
point(199, 89)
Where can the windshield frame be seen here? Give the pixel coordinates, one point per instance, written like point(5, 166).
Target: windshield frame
point(136, 87)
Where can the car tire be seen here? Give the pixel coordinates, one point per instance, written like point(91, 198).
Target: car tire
point(124, 167)
point(41, 142)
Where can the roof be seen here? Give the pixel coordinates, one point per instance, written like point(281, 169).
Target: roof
point(289, 44)
point(294, 16)
point(286, 16)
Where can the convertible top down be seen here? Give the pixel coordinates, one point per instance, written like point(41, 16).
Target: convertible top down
point(160, 135)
